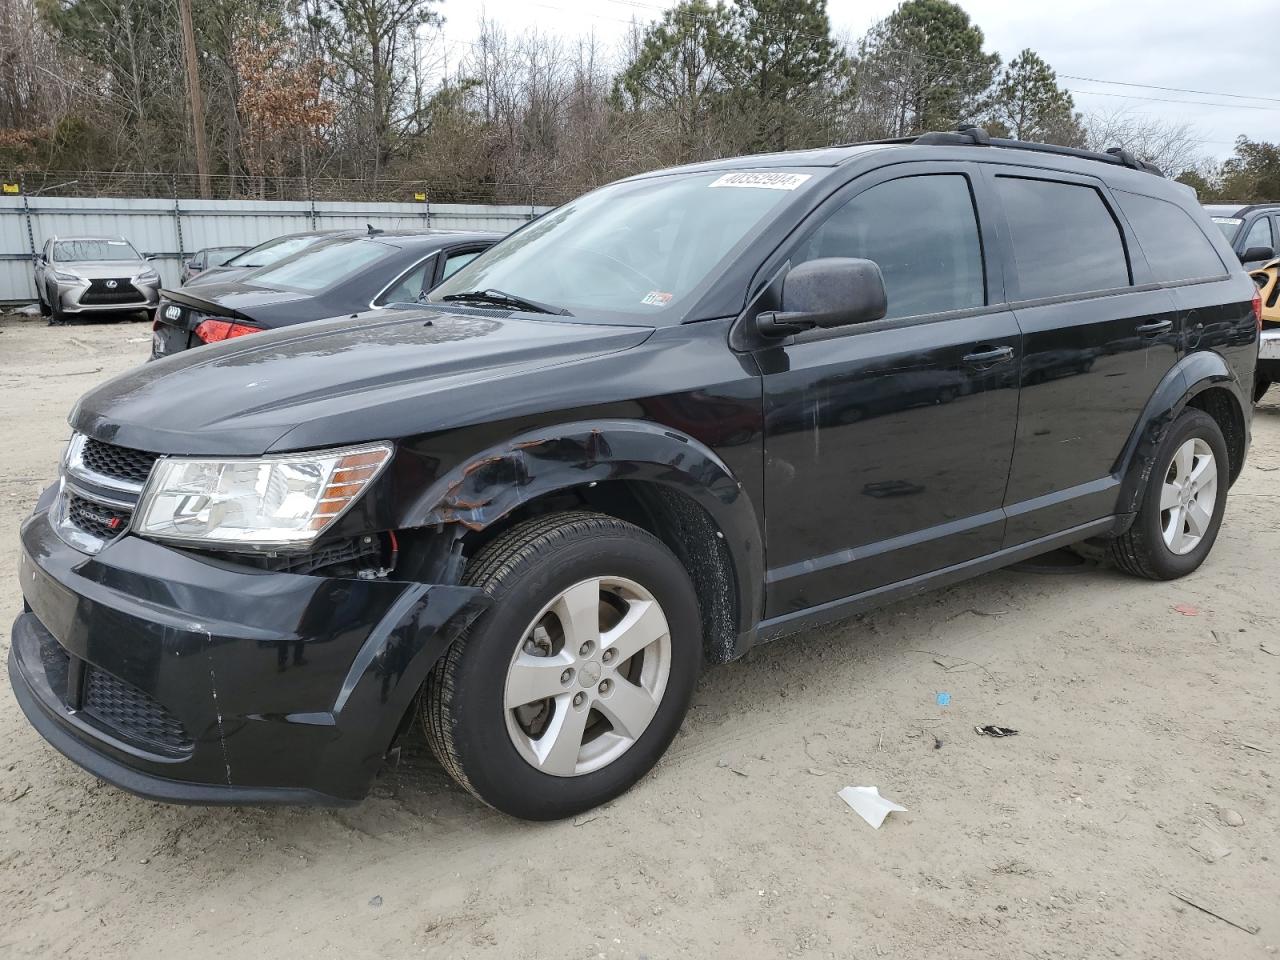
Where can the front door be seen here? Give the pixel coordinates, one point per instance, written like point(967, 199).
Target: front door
point(888, 443)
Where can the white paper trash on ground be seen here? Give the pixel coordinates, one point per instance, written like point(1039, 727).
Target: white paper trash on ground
point(869, 805)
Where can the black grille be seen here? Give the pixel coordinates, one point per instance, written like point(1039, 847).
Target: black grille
point(133, 713)
point(119, 462)
point(100, 292)
point(105, 523)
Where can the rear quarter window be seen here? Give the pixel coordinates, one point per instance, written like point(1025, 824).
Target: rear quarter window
point(1065, 238)
point(1176, 247)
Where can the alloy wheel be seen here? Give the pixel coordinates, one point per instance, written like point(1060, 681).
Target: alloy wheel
point(1189, 496)
point(587, 677)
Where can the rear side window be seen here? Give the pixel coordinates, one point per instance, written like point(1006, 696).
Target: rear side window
point(1176, 248)
point(923, 234)
point(1065, 239)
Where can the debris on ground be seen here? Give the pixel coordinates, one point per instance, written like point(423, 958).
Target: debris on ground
point(1186, 609)
point(375, 901)
point(1254, 746)
point(991, 730)
point(1232, 818)
point(1244, 925)
point(869, 805)
point(944, 699)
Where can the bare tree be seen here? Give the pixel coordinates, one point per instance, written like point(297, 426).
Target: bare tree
point(1170, 145)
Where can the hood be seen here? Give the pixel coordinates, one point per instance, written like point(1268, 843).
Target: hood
point(95, 269)
point(340, 381)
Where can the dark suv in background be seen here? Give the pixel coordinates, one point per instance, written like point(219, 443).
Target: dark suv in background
point(1253, 230)
point(677, 417)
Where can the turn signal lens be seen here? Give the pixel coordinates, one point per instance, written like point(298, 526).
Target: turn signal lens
point(212, 331)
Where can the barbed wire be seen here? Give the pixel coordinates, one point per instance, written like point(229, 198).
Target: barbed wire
point(186, 186)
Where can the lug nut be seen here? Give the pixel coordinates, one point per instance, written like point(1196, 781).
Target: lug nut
point(609, 655)
point(586, 648)
point(605, 686)
point(579, 699)
point(567, 676)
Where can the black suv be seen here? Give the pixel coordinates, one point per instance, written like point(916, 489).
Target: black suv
point(680, 416)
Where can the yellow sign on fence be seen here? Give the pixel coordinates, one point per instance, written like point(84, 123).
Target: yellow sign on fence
point(421, 197)
point(10, 188)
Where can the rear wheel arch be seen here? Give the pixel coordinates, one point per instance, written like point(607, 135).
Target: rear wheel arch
point(1201, 380)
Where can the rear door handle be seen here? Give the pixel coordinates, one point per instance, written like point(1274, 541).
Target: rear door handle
point(1158, 327)
point(986, 358)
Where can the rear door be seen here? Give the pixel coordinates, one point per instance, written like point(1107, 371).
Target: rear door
point(888, 443)
point(1098, 336)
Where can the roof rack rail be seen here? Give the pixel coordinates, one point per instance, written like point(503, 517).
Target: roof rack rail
point(971, 135)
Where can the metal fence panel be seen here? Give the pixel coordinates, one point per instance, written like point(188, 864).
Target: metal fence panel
point(173, 229)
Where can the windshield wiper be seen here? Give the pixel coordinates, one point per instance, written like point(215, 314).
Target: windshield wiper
point(502, 299)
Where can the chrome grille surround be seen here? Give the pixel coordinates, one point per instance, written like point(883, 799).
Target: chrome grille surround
point(116, 496)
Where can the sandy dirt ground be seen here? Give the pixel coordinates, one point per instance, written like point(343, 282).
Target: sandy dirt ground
point(1147, 765)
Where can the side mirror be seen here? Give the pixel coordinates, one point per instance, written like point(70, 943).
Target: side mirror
point(1257, 253)
point(829, 292)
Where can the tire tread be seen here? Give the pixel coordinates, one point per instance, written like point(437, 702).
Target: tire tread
point(489, 570)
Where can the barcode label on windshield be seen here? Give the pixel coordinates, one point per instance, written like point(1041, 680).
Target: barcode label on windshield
point(763, 181)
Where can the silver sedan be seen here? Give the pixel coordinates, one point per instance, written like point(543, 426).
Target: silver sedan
point(78, 275)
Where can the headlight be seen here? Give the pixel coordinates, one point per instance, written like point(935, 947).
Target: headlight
point(66, 277)
point(278, 501)
point(149, 276)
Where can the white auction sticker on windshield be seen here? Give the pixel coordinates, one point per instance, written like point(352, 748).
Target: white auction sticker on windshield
point(656, 298)
point(762, 180)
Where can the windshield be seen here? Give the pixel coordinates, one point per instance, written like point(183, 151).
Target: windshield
point(71, 251)
point(265, 254)
point(1229, 226)
point(634, 248)
point(323, 265)
point(218, 256)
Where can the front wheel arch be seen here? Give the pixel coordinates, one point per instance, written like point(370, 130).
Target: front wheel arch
point(691, 494)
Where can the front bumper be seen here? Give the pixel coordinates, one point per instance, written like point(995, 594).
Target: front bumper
point(87, 297)
point(192, 680)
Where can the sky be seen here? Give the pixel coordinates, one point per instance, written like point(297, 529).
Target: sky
point(1175, 43)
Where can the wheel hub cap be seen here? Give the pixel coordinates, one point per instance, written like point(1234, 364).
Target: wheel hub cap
point(1189, 496)
point(587, 676)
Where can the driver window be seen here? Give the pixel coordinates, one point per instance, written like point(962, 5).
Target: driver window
point(1260, 234)
point(921, 231)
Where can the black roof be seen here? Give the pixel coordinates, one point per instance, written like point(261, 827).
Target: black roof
point(1236, 209)
point(964, 136)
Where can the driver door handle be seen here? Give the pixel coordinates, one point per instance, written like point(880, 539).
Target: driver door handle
point(989, 356)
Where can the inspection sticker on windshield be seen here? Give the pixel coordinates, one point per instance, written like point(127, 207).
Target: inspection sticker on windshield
point(656, 298)
point(762, 180)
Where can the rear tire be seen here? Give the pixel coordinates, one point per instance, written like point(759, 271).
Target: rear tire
point(617, 680)
point(1182, 506)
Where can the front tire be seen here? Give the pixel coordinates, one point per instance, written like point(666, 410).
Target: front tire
point(1182, 505)
point(570, 687)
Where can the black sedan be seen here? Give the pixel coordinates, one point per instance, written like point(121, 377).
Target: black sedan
point(346, 273)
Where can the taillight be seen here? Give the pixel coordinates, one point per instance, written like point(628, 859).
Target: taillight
point(1257, 309)
point(212, 331)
